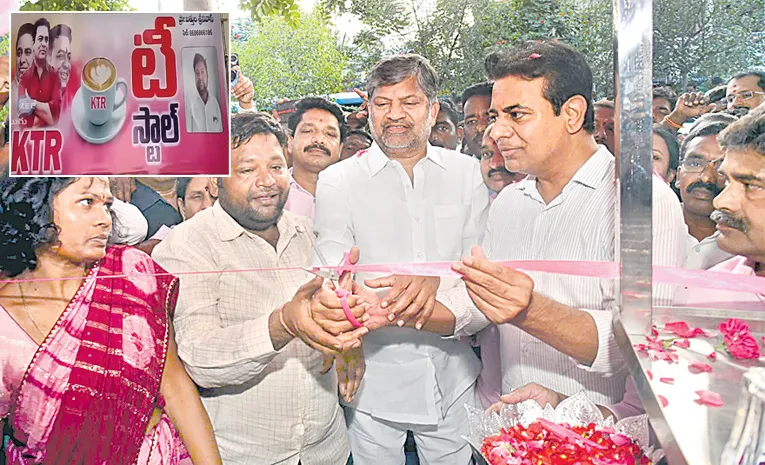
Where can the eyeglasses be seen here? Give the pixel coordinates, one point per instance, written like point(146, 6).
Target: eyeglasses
point(698, 165)
point(745, 95)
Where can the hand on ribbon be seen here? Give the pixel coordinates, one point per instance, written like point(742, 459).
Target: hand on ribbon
point(410, 297)
point(531, 391)
point(500, 293)
point(326, 309)
point(299, 320)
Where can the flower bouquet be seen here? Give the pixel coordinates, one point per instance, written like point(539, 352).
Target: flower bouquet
point(574, 433)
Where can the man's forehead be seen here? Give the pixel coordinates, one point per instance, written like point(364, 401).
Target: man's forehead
point(744, 162)
point(750, 82)
point(314, 116)
point(704, 146)
point(474, 101)
point(408, 88)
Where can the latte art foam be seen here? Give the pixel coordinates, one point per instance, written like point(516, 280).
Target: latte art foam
point(99, 74)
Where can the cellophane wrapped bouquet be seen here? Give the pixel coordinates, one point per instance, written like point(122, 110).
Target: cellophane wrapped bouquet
point(574, 433)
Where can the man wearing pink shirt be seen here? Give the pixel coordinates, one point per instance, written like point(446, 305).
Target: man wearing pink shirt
point(318, 131)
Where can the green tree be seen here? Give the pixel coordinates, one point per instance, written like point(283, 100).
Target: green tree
point(76, 5)
point(706, 37)
point(290, 62)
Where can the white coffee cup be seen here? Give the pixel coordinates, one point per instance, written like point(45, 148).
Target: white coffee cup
point(99, 90)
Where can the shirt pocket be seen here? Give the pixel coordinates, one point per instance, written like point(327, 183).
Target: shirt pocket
point(449, 222)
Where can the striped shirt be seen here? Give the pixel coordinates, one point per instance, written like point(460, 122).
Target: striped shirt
point(266, 406)
point(577, 225)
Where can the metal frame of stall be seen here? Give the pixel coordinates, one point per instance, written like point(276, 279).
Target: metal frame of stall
point(694, 436)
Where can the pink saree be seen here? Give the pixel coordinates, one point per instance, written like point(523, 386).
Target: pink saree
point(88, 392)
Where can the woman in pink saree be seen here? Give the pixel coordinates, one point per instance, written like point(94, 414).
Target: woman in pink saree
point(89, 372)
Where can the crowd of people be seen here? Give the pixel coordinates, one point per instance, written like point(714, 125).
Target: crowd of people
point(179, 320)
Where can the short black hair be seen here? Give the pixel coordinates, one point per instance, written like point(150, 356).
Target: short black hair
point(318, 103)
point(710, 124)
point(26, 221)
point(198, 58)
point(26, 28)
point(180, 187)
point(565, 71)
point(60, 30)
point(41, 22)
point(752, 72)
point(746, 133)
point(482, 89)
point(360, 132)
point(672, 145)
point(448, 107)
point(246, 125)
point(666, 93)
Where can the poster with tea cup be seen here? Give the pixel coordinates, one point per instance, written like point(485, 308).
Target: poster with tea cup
point(119, 94)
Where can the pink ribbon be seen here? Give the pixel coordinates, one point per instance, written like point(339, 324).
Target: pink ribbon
point(603, 270)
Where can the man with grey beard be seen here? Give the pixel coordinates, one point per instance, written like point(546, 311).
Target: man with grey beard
point(739, 213)
point(404, 200)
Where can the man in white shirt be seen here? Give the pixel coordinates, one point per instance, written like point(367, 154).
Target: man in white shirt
point(205, 109)
point(699, 183)
point(554, 329)
point(403, 200)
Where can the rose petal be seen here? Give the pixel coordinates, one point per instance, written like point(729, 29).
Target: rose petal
point(709, 398)
point(712, 356)
point(673, 326)
point(650, 375)
point(663, 401)
point(667, 380)
point(699, 367)
point(681, 328)
point(620, 439)
point(682, 343)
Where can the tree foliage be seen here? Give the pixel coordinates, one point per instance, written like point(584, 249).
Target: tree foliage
point(76, 5)
point(289, 62)
point(693, 39)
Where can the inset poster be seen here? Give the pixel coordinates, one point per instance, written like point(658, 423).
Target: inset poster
point(118, 94)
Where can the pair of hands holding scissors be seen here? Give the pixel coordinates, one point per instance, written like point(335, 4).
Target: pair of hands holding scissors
point(499, 292)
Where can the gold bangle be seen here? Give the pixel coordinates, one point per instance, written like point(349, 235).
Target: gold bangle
point(672, 123)
point(281, 320)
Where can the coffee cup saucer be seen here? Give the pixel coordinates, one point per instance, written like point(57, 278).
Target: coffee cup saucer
point(89, 131)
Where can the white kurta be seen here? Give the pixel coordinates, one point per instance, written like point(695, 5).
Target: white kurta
point(205, 117)
point(369, 201)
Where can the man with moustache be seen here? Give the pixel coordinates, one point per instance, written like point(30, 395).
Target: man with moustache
point(477, 99)
point(318, 132)
point(205, 109)
point(495, 175)
point(739, 212)
point(25, 39)
point(746, 91)
point(446, 133)
point(39, 97)
point(404, 200)
point(699, 183)
point(268, 398)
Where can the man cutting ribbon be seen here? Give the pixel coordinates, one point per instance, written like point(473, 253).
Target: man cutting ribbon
point(237, 333)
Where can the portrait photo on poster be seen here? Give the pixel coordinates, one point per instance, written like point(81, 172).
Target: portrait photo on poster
point(202, 90)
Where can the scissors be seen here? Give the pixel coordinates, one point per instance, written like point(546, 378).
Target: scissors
point(332, 276)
